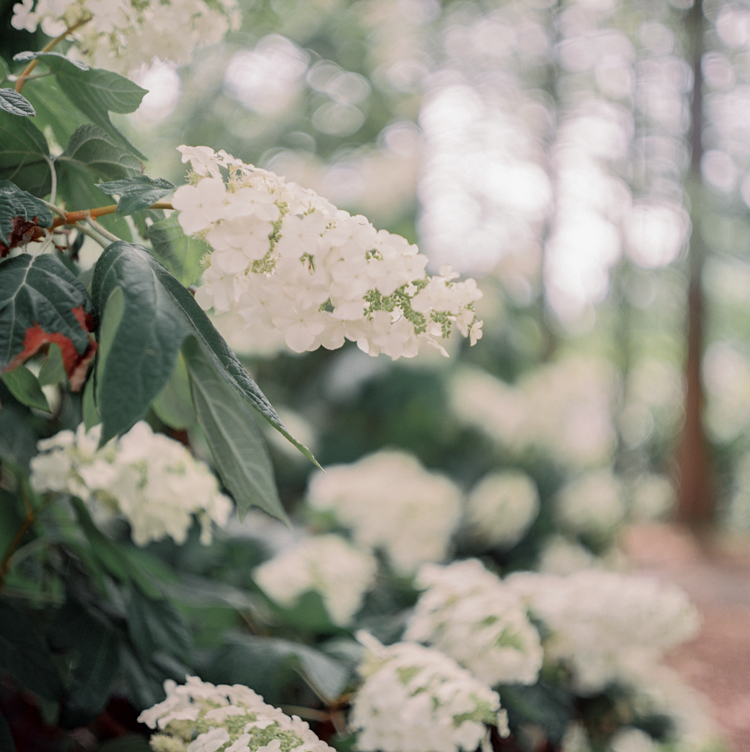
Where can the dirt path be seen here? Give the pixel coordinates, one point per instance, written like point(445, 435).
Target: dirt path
point(717, 578)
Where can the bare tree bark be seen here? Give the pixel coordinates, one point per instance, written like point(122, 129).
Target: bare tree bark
point(695, 495)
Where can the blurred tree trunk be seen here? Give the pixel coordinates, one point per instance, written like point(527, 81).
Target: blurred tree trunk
point(695, 496)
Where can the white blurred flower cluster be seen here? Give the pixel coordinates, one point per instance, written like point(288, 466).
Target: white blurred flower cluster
point(200, 717)
point(286, 259)
point(501, 508)
point(149, 479)
point(389, 501)
point(591, 505)
point(601, 622)
point(122, 35)
point(469, 614)
point(563, 409)
point(416, 699)
point(325, 564)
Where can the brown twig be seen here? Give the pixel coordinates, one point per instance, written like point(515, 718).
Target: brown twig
point(33, 64)
point(84, 214)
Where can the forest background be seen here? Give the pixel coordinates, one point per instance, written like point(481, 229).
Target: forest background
point(588, 163)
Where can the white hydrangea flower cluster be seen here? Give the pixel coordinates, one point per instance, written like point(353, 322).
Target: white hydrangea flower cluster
point(563, 409)
point(469, 614)
point(592, 505)
point(149, 479)
point(200, 717)
point(600, 622)
point(390, 502)
point(501, 508)
point(416, 699)
point(123, 35)
point(326, 564)
point(286, 259)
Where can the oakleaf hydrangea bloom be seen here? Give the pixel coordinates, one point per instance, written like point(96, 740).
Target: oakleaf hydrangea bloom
point(149, 479)
point(326, 564)
point(122, 35)
point(501, 507)
point(600, 622)
point(390, 502)
point(416, 699)
point(286, 259)
point(591, 505)
point(200, 717)
point(469, 614)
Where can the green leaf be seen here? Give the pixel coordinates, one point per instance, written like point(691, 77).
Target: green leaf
point(92, 646)
point(25, 656)
point(93, 155)
point(539, 704)
point(139, 344)
point(14, 103)
point(24, 155)
point(174, 404)
point(136, 193)
point(181, 254)
point(23, 385)
point(53, 369)
point(19, 211)
point(91, 415)
point(42, 302)
point(178, 305)
point(17, 436)
point(53, 108)
point(112, 557)
point(265, 663)
point(156, 625)
point(128, 743)
point(236, 444)
point(94, 92)
point(225, 361)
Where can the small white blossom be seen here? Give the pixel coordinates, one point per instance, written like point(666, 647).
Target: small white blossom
point(230, 719)
point(149, 479)
point(416, 699)
point(599, 622)
point(326, 564)
point(390, 502)
point(122, 35)
point(469, 614)
point(501, 507)
point(287, 260)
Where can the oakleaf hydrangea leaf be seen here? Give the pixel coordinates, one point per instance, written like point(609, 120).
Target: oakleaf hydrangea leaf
point(136, 193)
point(41, 302)
point(14, 103)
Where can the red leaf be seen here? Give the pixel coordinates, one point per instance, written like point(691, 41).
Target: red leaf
point(76, 366)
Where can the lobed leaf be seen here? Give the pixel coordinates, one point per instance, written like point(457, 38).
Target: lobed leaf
point(25, 656)
point(24, 386)
point(136, 193)
point(181, 254)
point(94, 92)
point(24, 155)
point(91, 155)
point(237, 447)
point(14, 103)
point(41, 302)
point(155, 289)
point(141, 333)
point(94, 644)
point(20, 212)
point(263, 663)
